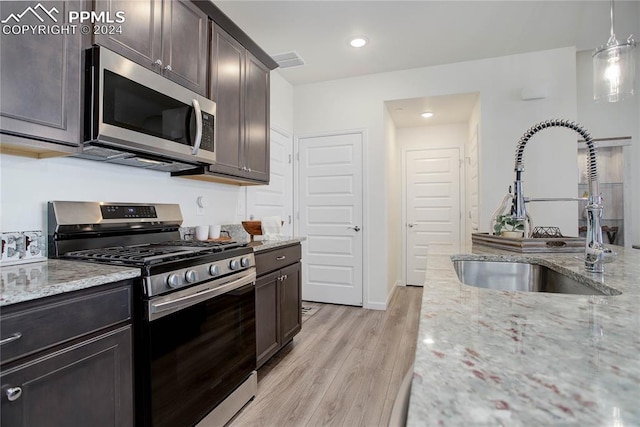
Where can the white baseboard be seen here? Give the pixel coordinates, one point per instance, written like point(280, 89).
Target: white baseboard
point(383, 305)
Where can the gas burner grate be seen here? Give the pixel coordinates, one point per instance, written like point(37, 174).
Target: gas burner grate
point(215, 246)
point(125, 254)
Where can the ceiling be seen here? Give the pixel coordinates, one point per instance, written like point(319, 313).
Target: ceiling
point(420, 33)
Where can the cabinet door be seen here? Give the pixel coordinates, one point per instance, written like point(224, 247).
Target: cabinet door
point(227, 64)
point(40, 76)
point(290, 302)
point(268, 337)
point(87, 384)
point(256, 146)
point(140, 38)
point(184, 45)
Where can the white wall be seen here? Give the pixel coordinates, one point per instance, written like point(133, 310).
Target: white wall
point(26, 184)
point(281, 107)
point(472, 177)
point(453, 135)
point(394, 221)
point(605, 120)
point(357, 103)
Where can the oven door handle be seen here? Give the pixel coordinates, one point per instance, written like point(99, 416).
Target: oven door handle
point(160, 309)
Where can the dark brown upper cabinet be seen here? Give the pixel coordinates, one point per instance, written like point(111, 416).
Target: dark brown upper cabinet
point(240, 88)
point(166, 36)
point(41, 77)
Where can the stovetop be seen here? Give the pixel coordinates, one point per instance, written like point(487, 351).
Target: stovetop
point(154, 253)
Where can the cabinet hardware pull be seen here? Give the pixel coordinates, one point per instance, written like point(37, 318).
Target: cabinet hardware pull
point(285, 277)
point(12, 338)
point(280, 258)
point(167, 68)
point(14, 393)
point(158, 63)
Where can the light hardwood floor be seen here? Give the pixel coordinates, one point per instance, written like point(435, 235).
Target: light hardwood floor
point(343, 369)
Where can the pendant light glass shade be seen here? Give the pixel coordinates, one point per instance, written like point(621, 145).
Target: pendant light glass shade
point(614, 69)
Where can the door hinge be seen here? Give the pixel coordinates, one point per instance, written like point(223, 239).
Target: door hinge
point(290, 159)
point(289, 219)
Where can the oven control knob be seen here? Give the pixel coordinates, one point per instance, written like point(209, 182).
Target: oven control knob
point(214, 270)
point(190, 276)
point(173, 281)
point(244, 262)
point(234, 264)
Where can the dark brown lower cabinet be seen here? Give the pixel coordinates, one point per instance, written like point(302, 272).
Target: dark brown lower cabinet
point(68, 360)
point(278, 300)
point(88, 384)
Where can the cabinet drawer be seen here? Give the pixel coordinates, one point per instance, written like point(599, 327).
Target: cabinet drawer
point(44, 325)
point(277, 258)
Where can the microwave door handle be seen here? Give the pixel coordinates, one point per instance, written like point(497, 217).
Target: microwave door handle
point(198, 138)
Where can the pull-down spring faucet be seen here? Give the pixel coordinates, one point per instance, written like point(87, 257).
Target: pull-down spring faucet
point(595, 252)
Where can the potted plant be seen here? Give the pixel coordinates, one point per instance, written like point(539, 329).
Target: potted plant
point(508, 226)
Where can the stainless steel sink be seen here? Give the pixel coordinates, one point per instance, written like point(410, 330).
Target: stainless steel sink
point(521, 276)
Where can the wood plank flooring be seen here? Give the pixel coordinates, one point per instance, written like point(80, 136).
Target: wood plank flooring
point(343, 369)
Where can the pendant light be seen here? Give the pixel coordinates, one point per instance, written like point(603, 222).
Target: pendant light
point(614, 68)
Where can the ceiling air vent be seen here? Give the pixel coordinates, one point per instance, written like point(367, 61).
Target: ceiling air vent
point(288, 59)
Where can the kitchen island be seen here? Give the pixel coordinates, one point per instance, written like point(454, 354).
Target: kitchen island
point(487, 357)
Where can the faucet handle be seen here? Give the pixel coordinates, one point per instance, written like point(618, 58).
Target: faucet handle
point(608, 256)
point(594, 255)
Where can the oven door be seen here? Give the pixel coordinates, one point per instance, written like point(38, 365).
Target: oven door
point(132, 108)
point(197, 352)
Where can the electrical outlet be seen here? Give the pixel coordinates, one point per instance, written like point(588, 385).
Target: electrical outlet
point(34, 244)
point(200, 206)
point(22, 247)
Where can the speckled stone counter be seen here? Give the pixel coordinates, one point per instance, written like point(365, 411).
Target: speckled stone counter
point(490, 358)
point(272, 244)
point(237, 233)
point(31, 281)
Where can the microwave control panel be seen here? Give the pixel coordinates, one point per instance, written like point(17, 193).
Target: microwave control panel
point(208, 122)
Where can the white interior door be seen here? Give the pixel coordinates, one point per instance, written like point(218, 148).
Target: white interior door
point(432, 207)
point(277, 197)
point(330, 209)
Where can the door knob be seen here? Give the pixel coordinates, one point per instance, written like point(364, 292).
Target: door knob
point(410, 225)
point(356, 228)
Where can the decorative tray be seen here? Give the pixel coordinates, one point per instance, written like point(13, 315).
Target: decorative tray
point(529, 245)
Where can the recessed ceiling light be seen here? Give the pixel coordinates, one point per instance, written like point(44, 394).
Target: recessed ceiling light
point(427, 114)
point(358, 42)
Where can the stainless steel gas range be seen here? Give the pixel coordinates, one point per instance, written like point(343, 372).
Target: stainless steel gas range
point(194, 320)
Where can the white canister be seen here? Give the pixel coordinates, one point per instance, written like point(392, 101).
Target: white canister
point(202, 232)
point(214, 231)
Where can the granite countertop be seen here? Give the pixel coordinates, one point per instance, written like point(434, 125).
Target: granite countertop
point(237, 233)
point(487, 357)
point(25, 282)
point(271, 244)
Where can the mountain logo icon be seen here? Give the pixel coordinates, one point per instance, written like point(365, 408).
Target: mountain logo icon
point(34, 11)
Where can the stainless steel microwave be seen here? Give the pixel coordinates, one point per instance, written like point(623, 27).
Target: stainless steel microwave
point(137, 117)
